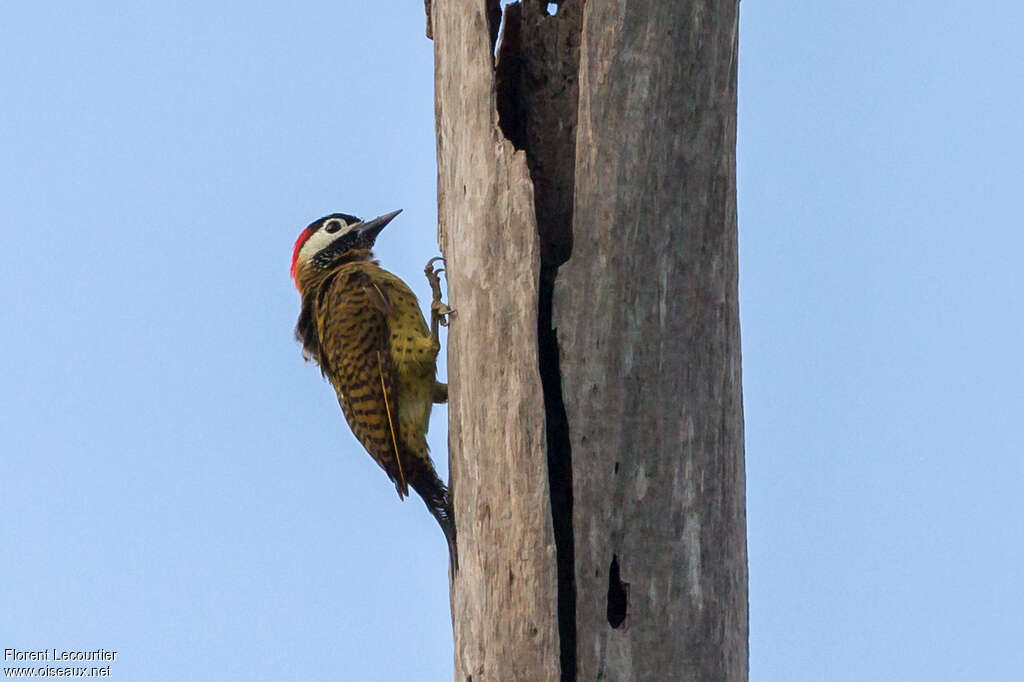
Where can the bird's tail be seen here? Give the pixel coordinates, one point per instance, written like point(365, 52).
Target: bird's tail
point(435, 495)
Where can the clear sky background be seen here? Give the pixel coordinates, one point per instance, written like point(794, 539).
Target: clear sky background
point(176, 484)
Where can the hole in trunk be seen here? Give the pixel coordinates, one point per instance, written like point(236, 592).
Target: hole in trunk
point(618, 595)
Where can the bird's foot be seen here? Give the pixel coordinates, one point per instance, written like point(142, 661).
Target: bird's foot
point(439, 311)
point(439, 393)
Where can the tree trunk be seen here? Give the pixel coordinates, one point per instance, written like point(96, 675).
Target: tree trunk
point(586, 183)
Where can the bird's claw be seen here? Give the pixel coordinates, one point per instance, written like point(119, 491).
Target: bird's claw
point(439, 311)
point(433, 276)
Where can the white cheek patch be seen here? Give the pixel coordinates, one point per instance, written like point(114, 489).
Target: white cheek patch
point(320, 240)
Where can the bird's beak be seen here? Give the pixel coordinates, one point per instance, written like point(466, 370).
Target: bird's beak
point(371, 228)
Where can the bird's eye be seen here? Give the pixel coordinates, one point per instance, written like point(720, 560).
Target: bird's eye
point(332, 227)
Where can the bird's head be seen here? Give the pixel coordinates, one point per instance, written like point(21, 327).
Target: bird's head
point(327, 241)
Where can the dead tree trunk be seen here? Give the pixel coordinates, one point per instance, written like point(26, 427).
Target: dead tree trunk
point(586, 183)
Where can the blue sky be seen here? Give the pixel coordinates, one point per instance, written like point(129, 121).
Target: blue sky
point(176, 484)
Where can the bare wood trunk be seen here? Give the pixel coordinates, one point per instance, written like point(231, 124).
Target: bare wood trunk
point(497, 454)
point(596, 433)
point(648, 325)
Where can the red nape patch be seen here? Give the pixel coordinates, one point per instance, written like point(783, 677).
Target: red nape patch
point(306, 234)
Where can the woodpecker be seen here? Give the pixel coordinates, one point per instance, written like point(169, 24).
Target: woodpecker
point(363, 326)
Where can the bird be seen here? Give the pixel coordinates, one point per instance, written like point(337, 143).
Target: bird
point(363, 327)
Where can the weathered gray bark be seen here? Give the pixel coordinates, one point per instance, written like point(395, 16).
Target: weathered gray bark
point(648, 325)
point(587, 213)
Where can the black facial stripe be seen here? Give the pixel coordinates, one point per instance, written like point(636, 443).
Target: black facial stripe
point(345, 218)
point(344, 243)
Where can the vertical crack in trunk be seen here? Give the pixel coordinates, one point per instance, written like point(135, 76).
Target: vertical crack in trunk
point(536, 95)
point(559, 472)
